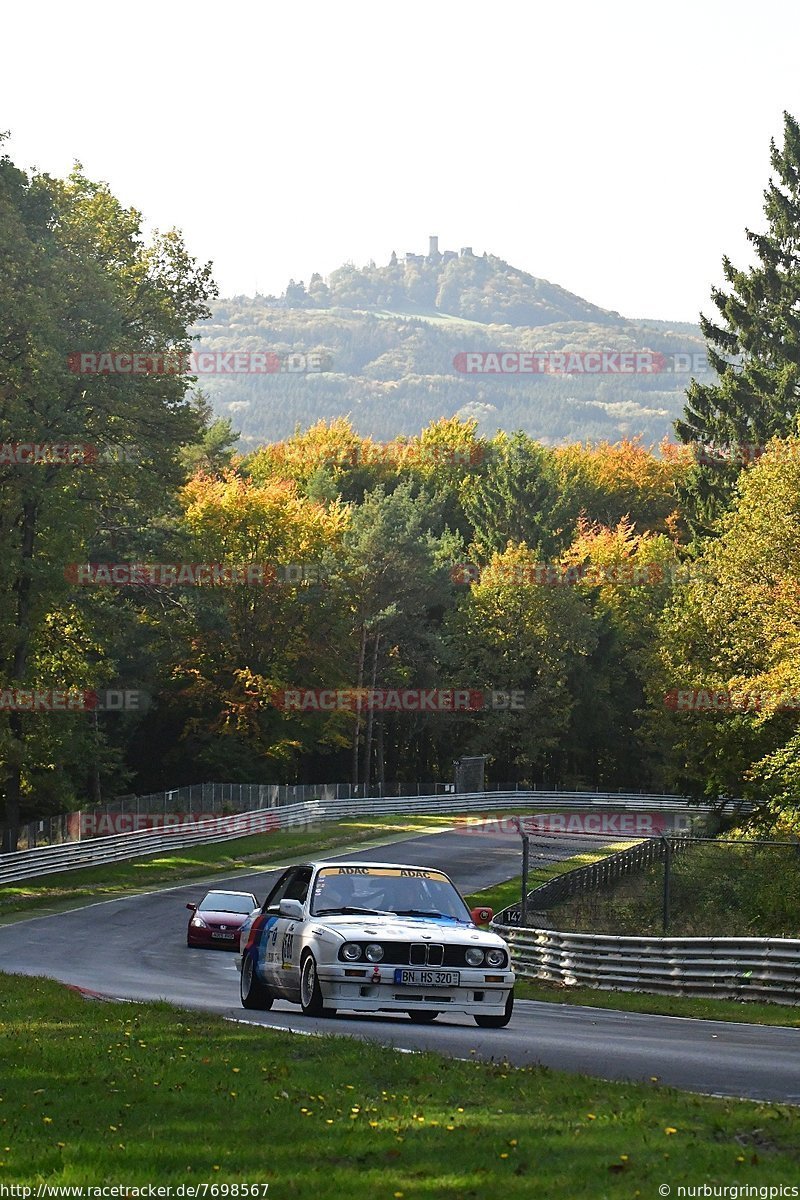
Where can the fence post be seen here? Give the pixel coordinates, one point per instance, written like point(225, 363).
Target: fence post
point(523, 912)
point(667, 866)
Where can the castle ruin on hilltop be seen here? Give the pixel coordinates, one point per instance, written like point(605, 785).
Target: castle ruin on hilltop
point(434, 255)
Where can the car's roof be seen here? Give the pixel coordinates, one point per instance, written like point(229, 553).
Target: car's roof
point(329, 862)
point(225, 892)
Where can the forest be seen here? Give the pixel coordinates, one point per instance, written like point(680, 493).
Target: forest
point(625, 610)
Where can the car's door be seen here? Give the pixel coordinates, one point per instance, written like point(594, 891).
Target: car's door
point(262, 932)
point(289, 934)
point(280, 965)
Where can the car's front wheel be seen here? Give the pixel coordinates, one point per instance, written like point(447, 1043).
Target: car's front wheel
point(254, 994)
point(422, 1016)
point(311, 1000)
point(488, 1022)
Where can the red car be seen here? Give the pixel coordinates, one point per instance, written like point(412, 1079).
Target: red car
point(217, 919)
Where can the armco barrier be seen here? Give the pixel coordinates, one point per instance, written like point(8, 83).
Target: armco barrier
point(70, 856)
point(125, 813)
point(729, 968)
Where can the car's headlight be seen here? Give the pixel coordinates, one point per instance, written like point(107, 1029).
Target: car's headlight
point(199, 923)
point(351, 951)
point(495, 958)
point(374, 952)
point(474, 956)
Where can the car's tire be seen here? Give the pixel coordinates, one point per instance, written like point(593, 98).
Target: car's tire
point(253, 993)
point(311, 1000)
point(488, 1022)
point(422, 1016)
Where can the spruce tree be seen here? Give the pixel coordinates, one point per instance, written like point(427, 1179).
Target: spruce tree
point(754, 347)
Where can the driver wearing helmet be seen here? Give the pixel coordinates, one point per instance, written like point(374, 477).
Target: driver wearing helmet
point(332, 892)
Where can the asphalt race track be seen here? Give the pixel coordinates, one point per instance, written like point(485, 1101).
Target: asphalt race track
point(135, 948)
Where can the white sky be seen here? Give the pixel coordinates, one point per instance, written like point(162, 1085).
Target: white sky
point(616, 148)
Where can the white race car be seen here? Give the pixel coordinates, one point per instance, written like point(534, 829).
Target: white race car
point(375, 936)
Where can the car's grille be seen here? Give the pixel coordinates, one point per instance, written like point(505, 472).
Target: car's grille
point(422, 954)
point(417, 954)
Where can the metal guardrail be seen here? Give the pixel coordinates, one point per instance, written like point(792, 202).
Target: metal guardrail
point(207, 799)
point(222, 799)
point(71, 856)
point(728, 968)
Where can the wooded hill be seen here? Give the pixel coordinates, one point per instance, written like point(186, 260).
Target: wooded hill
point(388, 337)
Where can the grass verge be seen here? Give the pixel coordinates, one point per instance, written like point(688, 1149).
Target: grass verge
point(95, 1093)
point(751, 1012)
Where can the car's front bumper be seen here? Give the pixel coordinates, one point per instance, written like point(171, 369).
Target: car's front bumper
point(202, 938)
point(479, 993)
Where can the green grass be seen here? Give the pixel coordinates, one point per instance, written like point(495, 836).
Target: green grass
point(106, 1093)
point(66, 887)
point(749, 1011)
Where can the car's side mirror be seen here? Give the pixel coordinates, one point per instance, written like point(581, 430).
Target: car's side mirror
point(482, 916)
point(193, 907)
point(292, 909)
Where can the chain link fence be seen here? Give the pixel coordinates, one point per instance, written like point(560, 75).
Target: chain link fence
point(722, 887)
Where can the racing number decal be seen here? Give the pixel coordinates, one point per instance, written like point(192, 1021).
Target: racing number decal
point(287, 946)
point(262, 934)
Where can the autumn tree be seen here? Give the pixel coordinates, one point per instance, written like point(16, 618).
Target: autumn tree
point(77, 275)
point(240, 644)
point(733, 631)
point(511, 634)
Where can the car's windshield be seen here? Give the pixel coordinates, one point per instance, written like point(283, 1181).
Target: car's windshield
point(406, 891)
point(225, 902)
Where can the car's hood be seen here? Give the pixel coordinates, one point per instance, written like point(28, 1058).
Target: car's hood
point(231, 919)
point(406, 929)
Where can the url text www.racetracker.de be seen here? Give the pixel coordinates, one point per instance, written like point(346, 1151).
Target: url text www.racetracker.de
point(143, 1191)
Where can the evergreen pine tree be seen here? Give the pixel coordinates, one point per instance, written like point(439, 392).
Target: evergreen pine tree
point(754, 346)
